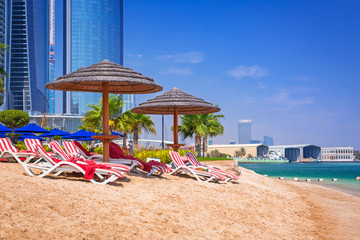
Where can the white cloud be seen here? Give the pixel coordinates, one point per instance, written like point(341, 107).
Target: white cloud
point(284, 102)
point(133, 60)
point(187, 57)
point(261, 85)
point(303, 79)
point(178, 71)
point(242, 71)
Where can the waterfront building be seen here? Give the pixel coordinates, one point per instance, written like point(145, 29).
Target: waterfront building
point(298, 153)
point(255, 141)
point(338, 154)
point(244, 131)
point(27, 63)
point(93, 31)
point(67, 123)
point(255, 150)
point(268, 141)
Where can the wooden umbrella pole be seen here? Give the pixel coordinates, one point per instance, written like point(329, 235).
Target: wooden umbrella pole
point(175, 126)
point(105, 100)
point(176, 129)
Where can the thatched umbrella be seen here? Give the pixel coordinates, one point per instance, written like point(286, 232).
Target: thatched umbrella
point(175, 102)
point(106, 77)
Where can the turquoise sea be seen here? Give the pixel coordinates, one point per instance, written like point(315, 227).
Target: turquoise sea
point(346, 173)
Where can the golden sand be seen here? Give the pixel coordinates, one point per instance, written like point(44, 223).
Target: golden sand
point(172, 207)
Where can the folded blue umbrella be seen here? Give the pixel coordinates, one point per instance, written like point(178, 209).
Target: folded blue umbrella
point(31, 136)
point(79, 135)
point(55, 132)
point(4, 129)
point(115, 133)
point(31, 128)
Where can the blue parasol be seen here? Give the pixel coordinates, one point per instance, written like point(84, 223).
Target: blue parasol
point(31, 128)
point(81, 135)
point(55, 132)
point(31, 136)
point(4, 129)
point(115, 133)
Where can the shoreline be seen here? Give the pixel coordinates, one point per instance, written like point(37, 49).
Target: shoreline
point(341, 188)
point(256, 207)
point(342, 184)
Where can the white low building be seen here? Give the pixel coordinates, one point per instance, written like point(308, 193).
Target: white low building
point(337, 154)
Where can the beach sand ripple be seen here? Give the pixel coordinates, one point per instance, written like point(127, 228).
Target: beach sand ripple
point(172, 207)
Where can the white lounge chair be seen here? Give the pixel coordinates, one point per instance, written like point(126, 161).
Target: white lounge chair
point(195, 163)
point(8, 151)
point(51, 165)
point(61, 154)
point(200, 175)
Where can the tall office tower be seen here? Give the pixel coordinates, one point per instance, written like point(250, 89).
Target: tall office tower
point(244, 131)
point(93, 31)
point(268, 141)
point(2, 40)
point(52, 54)
point(27, 63)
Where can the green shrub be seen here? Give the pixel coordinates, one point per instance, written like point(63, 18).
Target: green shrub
point(14, 118)
point(21, 145)
point(99, 150)
point(47, 148)
point(163, 155)
point(57, 138)
point(217, 154)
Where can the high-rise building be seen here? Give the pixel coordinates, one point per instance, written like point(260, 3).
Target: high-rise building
point(2, 40)
point(93, 31)
point(27, 62)
point(244, 131)
point(268, 141)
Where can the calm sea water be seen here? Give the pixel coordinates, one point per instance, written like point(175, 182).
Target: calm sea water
point(346, 173)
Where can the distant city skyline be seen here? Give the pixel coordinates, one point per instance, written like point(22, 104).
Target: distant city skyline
point(27, 61)
point(92, 32)
point(281, 64)
point(244, 131)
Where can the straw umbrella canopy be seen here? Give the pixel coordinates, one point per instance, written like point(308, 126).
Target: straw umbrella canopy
point(105, 77)
point(175, 102)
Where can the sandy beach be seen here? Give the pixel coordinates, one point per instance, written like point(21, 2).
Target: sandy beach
point(172, 207)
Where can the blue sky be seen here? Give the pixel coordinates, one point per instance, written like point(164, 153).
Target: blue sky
point(290, 66)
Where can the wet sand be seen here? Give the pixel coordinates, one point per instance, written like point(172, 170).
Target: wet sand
point(172, 207)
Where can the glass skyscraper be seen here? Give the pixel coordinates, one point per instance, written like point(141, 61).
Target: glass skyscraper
point(93, 31)
point(269, 141)
point(2, 40)
point(27, 62)
point(244, 131)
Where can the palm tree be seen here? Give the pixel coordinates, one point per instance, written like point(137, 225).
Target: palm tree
point(202, 126)
point(241, 152)
point(190, 126)
point(214, 128)
point(93, 118)
point(140, 122)
point(123, 124)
